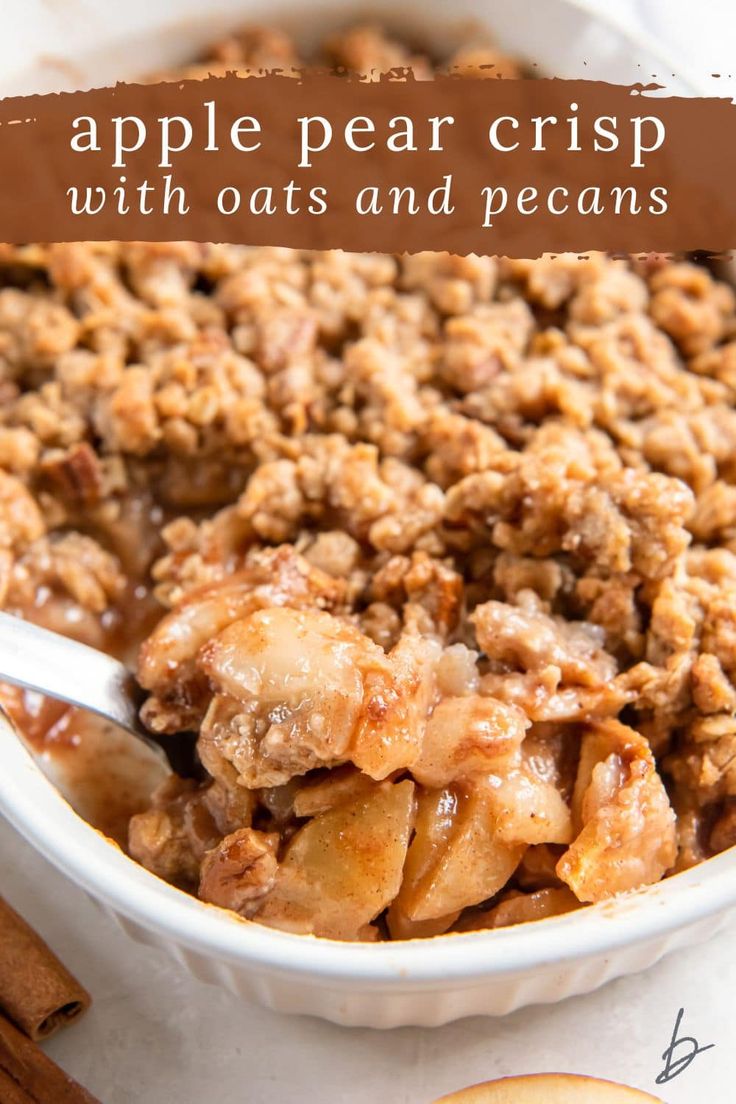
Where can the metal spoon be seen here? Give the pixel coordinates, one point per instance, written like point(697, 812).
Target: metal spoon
point(52, 664)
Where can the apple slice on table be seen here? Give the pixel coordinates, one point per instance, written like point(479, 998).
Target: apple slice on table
point(549, 1088)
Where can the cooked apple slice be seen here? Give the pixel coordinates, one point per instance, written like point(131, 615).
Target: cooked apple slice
point(344, 866)
point(456, 858)
point(626, 824)
point(549, 1088)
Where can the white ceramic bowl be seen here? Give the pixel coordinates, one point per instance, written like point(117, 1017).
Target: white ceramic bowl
point(379, 985)
point(425, 982)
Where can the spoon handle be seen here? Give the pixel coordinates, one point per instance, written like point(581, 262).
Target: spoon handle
point(42, 660)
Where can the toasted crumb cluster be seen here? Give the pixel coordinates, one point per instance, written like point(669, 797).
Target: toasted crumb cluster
point(437, 555)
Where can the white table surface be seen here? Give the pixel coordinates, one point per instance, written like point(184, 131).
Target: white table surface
point(155, 1035)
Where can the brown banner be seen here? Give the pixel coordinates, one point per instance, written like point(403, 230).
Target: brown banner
point(516, 167)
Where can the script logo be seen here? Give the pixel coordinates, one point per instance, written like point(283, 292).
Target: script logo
point(680, 1053)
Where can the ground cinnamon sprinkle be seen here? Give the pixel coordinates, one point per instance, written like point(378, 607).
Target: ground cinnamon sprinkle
point(443, 550)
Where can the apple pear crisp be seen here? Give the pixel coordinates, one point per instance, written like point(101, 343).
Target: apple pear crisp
point(435, 555)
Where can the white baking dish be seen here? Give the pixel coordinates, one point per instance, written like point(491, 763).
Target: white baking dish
point(425, 982)
point(46, 47)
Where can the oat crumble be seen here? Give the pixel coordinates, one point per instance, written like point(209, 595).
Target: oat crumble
point(436, 553)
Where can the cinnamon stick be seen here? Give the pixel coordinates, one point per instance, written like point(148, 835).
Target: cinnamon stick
point(11, 1092)
point(31, 1076)
point(37, 992)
